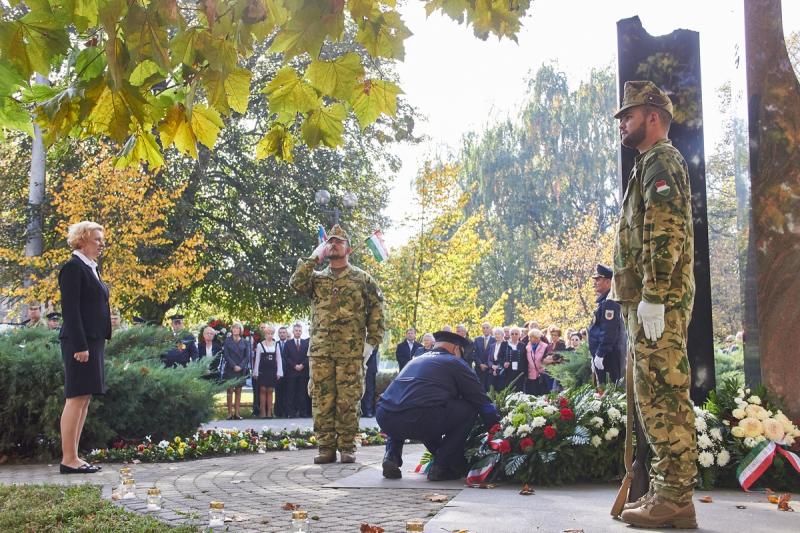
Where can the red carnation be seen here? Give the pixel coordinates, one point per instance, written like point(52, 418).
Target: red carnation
point(549, 432)
point(567, 414)
point(504, 446)
point(526, 443)
point(563, 402)
point(495, 429)
point(140, 447)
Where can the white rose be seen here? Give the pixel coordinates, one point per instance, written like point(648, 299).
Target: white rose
point(715, 433)
point(723, 458)
point(788, 440)
point(739, 413)
point(538, 422)
point(594, 405)
point(752, 427)
point(784, 420)
point(754, 399)
point(614, 414)
point(705, 459)
point(611, 433)
point(700, 424)
point(704, 442)
point(163, 444)
point(756, 411)
point(740, 392)
point(596, 421)
point(596, 441)
point(747, 390)
point(725, 422)
point(523, 429)
point(508, 431)
point(549, 409)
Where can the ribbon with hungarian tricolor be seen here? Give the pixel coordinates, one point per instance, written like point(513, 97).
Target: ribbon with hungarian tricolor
point(759, 460)
point(480, 472)
point(377, 246)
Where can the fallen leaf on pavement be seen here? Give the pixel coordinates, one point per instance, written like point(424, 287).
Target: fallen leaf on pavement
point(741, 507)
point(437, 498)
point(772, 497)
point(116, 496)
point(3, 459)
point(290, 506)
point(706, 499)
point(482, 486)
point(369, 528)
point(237, 481)
point(572, 531)
point(527, 490)
point(783, 503)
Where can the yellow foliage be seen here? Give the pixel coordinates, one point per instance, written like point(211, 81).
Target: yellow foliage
point(562, 275)
point(133, 210)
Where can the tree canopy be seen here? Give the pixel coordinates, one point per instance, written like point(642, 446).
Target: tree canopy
point(152, 74)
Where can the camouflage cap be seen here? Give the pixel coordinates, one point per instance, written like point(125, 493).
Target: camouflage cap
point(644, 92)
point(337, 232)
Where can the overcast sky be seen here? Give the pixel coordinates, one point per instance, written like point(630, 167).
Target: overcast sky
point(460, 83)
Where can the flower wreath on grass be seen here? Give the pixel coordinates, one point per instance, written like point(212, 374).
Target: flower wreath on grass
point(547, 440)
point(214, 442)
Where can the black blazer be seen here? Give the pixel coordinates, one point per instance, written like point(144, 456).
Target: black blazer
point(403, 353)
point(296, 357)
point(480, 355)
point(84, 305)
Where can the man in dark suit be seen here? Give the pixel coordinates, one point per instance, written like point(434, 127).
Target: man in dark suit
point(481, 348)
point(368, 400)
point(407, 348)
point(297, 376)
point(280, 388)
point(469, 350)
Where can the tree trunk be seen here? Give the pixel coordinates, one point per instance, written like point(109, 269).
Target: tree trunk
point(36, 188)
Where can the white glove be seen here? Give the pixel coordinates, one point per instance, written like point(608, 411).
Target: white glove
point(598, 362)
point(319, 251)
point(367, 352)
point(651, 317)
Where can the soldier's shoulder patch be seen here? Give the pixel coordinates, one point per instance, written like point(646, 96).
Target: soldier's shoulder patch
point(662, 188)
point(609, 314)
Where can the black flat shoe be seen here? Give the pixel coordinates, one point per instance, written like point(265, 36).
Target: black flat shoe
point(230, 417)
point(237, 417)
point(83, 469)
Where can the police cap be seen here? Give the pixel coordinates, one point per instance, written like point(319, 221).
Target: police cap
point(53, 316)
point(602, 271)
point(644, 92)
point(176, 317)
point(449, 336)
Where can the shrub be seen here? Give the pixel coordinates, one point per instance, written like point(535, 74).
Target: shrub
point(143, 397)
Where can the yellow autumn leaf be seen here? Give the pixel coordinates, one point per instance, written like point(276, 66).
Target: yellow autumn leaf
point(206, 124)
point(288, 92)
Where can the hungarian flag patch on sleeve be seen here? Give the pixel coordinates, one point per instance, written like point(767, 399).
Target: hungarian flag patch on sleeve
point(662, 188)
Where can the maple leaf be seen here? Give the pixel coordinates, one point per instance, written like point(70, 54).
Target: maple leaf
point(305, 31)
point(226, 92)
point(373, 97)
point(370, 528)
point(30, 43)
point(383, 35)
point(325, 125)
point(144, 71)
point(289, 93)
point(336, 78)
point(140, 147)
point(278, 143)
point(290, 506)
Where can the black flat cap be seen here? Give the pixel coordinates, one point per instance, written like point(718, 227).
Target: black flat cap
point(449, 336)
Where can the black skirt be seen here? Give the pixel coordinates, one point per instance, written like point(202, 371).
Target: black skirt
point(81, 379)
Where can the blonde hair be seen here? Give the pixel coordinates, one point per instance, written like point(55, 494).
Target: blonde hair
point(80, 231)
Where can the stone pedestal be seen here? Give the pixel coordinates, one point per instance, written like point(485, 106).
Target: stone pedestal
point(772, 306)
point(673, 63)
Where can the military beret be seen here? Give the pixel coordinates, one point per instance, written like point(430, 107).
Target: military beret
point(644, 92)
point(602, 271)
point(449, 336)
point(337, 232)
point(53, 316)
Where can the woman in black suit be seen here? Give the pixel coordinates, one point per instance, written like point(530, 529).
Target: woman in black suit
point(236, 357)
point(209, 346)
point(87, 325)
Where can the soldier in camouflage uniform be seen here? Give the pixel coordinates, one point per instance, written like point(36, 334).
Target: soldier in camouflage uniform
point(654, 283)
point(346, 324)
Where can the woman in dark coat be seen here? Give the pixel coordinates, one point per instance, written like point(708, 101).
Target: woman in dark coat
point(236, 357)
point(495, 359)
point(515, 360)
point(210, 347)
point(87, 326)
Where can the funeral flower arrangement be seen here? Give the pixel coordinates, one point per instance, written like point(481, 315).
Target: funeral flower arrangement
point(559, 438)
point(207, 443)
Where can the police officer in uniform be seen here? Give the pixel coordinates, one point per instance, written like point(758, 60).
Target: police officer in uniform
point(185, 349)
point(54, 321)
point(607, 332)
point(654, 283)
point(436, 399)
point(346, 326)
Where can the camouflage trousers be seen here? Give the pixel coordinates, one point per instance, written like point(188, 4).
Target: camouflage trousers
point(336, 388)
point(661, 379)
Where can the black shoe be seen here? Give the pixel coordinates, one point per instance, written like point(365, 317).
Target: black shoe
point(83, 469)
point(238, 417)
point(230, 417)
point(442, 474)
point(391, 470)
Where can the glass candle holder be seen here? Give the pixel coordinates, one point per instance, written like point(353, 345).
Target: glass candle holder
point(415, 525)
point(128, 488)
point(125, 473)
point(216, 514)
point(300, 522)
point(153, 499)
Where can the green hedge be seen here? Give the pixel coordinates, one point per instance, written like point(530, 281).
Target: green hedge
point(143, 397)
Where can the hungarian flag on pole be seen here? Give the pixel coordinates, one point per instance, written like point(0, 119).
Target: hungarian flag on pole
point(377, 246)
point(321, 235)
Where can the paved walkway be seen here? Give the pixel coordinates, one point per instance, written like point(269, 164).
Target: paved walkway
point(254, 487)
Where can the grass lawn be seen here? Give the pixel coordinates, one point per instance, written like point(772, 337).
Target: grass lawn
point(79, 508)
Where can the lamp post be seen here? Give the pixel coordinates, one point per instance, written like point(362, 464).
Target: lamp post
point(323, 198)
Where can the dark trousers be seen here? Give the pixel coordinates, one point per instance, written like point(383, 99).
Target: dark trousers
point(443, 430)
point(368, 400)
point(296, 396)
point(540, 386)
point(256, 396)
point(279, 409)
point(483, 376)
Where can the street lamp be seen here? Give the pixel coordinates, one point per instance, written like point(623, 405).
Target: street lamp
point(323, 198)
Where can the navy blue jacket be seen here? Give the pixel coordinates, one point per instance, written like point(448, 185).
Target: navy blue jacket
point(479, 354)
point(607, 332)
point(372, 362)
point(84, 304)
point(403, 353)
point(434, 380)
point(293, 357)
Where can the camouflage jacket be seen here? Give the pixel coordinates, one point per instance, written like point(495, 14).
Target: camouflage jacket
point(346, 310)
point(654, 247)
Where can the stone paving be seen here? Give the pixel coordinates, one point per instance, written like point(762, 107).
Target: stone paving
point(254, 487)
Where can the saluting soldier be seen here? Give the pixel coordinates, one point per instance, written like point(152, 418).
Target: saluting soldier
point(654, 282)
point(346, 325)
point(607, 332)
point(185, 349)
